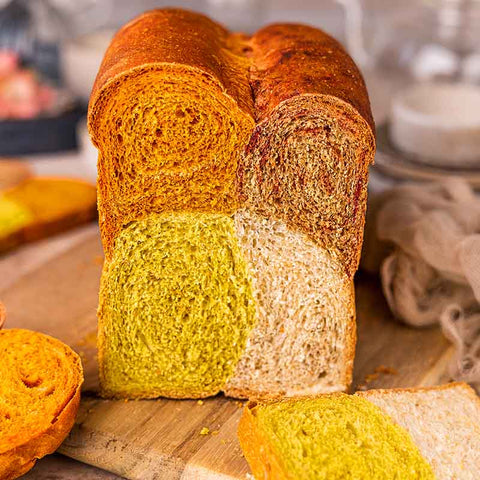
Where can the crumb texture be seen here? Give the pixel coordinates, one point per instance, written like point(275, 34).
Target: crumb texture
point(176, 307)
point(307, 159)
point(305, 329)
point(40, 380)
point(172, 122)
point(306, 165)
point(443, 422)
point(333, 437)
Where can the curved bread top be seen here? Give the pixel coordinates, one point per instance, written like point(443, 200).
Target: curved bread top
point(176, 37)
point(285, 60)
point(291, 60)
point(276, 70)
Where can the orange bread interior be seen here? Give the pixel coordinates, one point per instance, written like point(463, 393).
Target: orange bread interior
point(40, 381)
point(171, 126)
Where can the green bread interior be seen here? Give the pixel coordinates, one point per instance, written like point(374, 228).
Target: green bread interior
point(13, 216)
point(339, 437)
point(176, 307)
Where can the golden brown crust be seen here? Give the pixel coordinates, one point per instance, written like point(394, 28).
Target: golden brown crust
point(292, 60)
point(377, 391)
point(38, 230)
point(352, 343)
point(464, 386)
point(171, 36)
point(259, 454)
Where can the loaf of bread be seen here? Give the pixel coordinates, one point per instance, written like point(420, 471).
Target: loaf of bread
point(232, 193)
point(431, 433)
point(39, 207)
point(40, 381)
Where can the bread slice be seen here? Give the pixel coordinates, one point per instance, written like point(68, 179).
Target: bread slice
point(192, 304)
point(402, 433)
point(42, 206)
point(40, 381)
point(274, 134)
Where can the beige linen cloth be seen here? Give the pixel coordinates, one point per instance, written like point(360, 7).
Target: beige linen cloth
point(425, 241)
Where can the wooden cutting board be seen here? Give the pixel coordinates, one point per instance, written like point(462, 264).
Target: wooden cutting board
point(52, 287)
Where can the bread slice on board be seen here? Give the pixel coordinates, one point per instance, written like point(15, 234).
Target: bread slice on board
point(40, 381)
point(422, 433)
point(272, 132)
point(42, 206)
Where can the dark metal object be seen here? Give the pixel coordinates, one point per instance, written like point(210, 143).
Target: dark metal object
point(40, 135)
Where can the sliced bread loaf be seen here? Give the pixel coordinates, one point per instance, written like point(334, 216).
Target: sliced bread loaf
point(383, 434)
point(192, 304)
point(40, 381)
point(179, 99)
point(41, 206)
point(233, 170)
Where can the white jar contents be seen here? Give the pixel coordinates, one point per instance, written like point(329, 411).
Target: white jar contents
point(439, 123)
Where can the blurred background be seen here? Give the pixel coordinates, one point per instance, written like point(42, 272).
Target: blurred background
point(50, 51)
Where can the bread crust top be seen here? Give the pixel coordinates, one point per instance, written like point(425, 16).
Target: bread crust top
point(175, 37)
point(293, 59)
point(278, 62)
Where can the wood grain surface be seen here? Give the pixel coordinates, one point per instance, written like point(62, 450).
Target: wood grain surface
point(56, 293)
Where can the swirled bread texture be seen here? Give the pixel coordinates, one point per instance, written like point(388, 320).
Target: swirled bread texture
point(422, 433)
point(171, 112)
point(233, 170)
point(40, 381)
point(193, 304)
